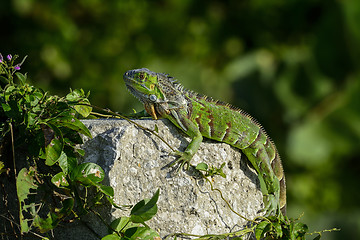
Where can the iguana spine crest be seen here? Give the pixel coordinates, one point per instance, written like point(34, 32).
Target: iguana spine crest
point(201, 116)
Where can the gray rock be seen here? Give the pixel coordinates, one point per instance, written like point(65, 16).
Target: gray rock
point(135, 163)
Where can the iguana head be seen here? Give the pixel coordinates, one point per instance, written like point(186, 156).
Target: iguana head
point(159, 92)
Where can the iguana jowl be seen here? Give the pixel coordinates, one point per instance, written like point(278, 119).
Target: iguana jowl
point(200, 116)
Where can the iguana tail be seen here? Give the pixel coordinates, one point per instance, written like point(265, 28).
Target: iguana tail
point(263, 155)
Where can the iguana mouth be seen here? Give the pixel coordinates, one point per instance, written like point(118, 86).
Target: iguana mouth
point(149, 107)
point(133, 92)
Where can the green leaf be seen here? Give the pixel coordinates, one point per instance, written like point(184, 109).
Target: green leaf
point(2, 169)
point(67, 160)
point(83, 110)
point(80, 151)
point(31, 119)
point(21, 77)
point(68, 119)
point(79, 97)
point(9, 91)
point(114, 204)
point(63, 163)
point(39, 94)
point(299, 229)
point(88, 174)
point(12, 109)
point(43, 224)
point(106, 189)
point(75, 95)
point(111, 237)
point(143, 233)
point(121, 224)
point(53, 218)
point(202, 166)
point(6, 107)
point(222, 174)
point(145, 209)
point(33, 98)
point(25, 186)
point(59, 180)
point(3, 79)
point(131, 230)
point(261, 229)
point(54, 149)
point(72, 137)
point(278, 229)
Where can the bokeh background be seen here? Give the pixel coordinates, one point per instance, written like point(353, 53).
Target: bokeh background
point(294, 65)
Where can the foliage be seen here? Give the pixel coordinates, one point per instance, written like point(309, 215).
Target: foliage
point(293, 65)
point(210, 171)
point(130, 228)
point(47, 130)
point(272, 227)
point(280, 228)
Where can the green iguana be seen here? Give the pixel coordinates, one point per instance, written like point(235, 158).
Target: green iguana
point(200, 116)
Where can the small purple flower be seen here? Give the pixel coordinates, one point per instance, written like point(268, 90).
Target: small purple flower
point(17, 67)
point(9, 57)
point(1, 58)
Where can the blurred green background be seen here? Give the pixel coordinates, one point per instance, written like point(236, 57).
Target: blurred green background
point(292, 64)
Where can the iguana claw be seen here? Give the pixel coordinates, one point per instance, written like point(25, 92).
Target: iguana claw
point(184, 158)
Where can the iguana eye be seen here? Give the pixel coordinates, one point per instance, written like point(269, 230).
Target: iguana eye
point(153, 98)
point(142, 76)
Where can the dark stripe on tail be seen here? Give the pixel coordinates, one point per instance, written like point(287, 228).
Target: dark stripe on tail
point(283, 196)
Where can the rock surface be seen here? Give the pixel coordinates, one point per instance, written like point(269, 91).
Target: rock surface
point(135, 163)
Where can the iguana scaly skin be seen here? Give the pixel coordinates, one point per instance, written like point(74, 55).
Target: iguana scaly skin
point(200, 116)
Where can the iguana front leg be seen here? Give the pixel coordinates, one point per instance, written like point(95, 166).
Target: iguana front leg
point(192, 130)
point(178, 116)
point(186, 156)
